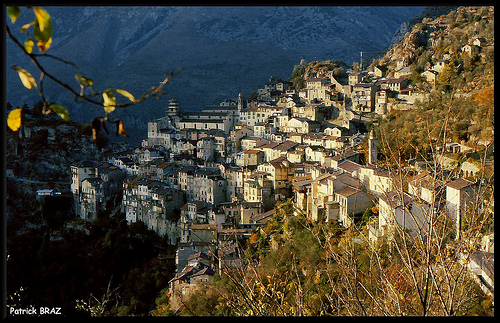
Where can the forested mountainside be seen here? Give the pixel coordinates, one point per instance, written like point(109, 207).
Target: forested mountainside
point(463, 93)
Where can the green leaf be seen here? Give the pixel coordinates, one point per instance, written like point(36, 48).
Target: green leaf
point(14, 119)
point(28, 44)
point(60, 111)
point(28, 80)
point(109, 101)
point(125, 94)
point(83, 80)
point(14, 13)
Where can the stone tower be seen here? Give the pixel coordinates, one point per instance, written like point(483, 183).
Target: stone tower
point(173, 108)
point(172, 113)
point(372, 149)
point(241, 103)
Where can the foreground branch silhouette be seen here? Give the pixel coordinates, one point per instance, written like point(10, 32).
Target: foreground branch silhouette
point(42, 34)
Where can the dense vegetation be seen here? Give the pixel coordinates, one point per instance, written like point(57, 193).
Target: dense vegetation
point(460, 107)
point(296, 267)
point(107, 267)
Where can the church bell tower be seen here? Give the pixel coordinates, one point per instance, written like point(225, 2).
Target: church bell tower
point(173, 108)
point(172, 113)
point(241, 103)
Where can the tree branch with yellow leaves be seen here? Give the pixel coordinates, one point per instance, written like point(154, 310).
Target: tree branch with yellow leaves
point(42, 36)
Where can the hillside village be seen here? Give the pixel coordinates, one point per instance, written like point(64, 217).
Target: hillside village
point(206, 180)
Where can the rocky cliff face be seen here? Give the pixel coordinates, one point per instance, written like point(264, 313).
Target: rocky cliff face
point(222, 50)
point(428, 12)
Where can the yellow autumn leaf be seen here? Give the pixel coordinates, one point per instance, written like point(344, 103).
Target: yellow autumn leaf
point(44, 45)
point(84, 80)
point(43, 18)
point(28, 44)
point(109, 102)
point(125, 94)
point(14, 119)
point(42, 29)
point(28, 80)
point(25, 27)
point(121, 129)
point(14, 13)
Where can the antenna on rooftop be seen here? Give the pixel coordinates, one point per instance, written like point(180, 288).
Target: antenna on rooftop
point(361, 54)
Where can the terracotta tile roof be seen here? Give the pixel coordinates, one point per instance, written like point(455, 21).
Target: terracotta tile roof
point(252, 151)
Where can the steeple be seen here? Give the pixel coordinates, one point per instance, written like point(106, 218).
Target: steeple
point(241, 102)
point(372, 149)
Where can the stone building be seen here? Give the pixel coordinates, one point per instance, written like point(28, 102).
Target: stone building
point(93, 185)
point(460, 196)
point(203, 184)
point(154, 203)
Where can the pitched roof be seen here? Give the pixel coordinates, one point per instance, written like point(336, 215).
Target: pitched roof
point(85, 163)
point(278, 160)
point(347, 191)
point(287, 145)
point(263, 217)
point(349, 166)
point(393, 80)
point(252, 151)
point(426, 180)
point(204, 271)
point(163, 165)
point(271, 145)
point(317, 79)
point(93, 180)
point(404, 69)
point(367, 85)
point(459, 183)
point(199, 254)
point(395, 198)
point(322, 177)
